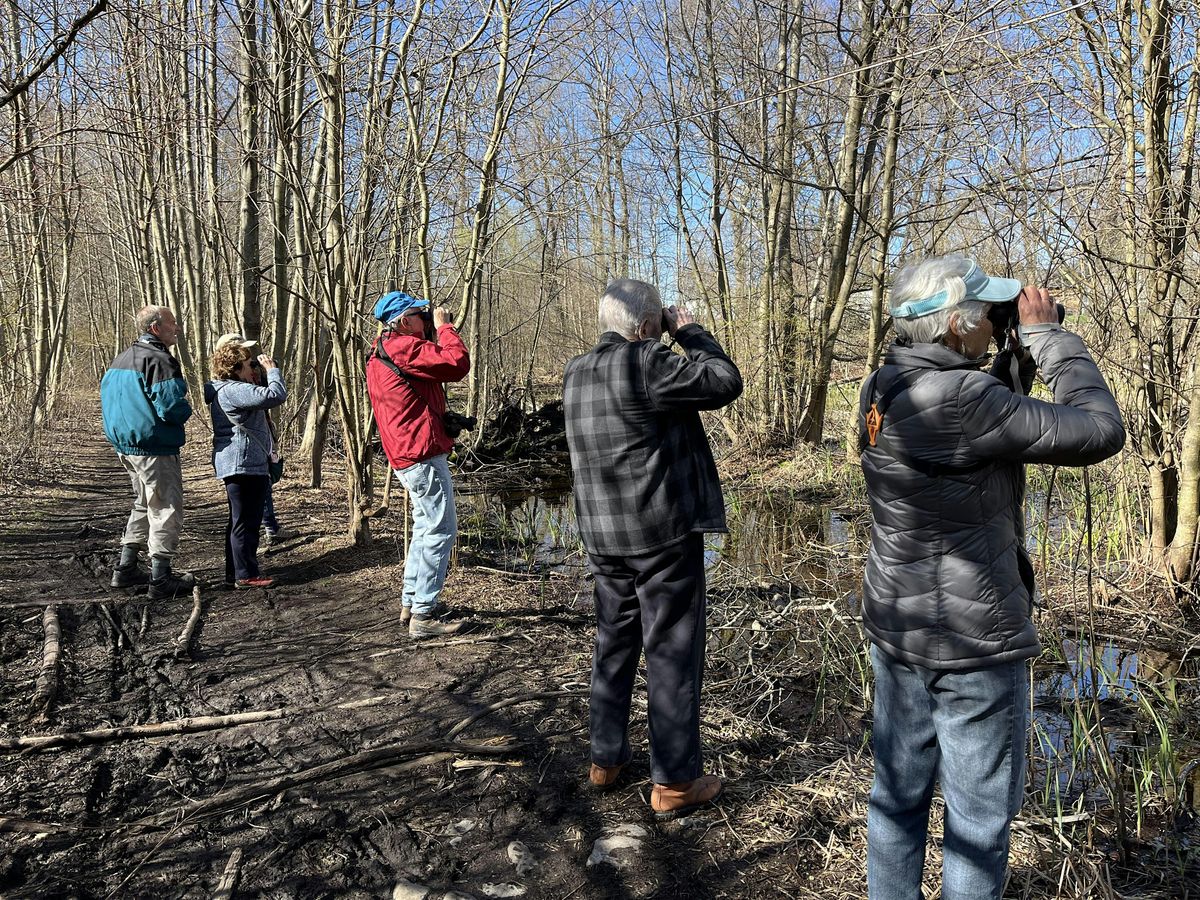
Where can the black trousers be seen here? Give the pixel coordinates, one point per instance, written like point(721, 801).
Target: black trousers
point(247, 496)
point(655, 601)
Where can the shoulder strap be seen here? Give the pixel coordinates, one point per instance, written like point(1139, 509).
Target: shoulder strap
point(874, 431)
point(381, 354)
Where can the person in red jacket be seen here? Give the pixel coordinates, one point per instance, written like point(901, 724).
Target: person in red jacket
point(418, 352)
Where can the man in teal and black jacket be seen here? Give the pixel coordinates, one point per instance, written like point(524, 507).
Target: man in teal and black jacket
point(144, 400)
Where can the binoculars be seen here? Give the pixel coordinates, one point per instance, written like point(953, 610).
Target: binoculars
point(1005, 317)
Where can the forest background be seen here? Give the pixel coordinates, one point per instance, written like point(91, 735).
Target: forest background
point(273, 166)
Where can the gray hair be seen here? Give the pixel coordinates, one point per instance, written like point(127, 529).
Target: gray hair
point(149, 316)
point(626, 304)
point(926, 278)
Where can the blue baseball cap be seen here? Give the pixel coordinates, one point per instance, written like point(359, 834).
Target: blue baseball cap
point(394, 304)
point(980, 286)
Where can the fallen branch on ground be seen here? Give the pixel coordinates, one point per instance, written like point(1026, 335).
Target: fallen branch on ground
point(549, 573)
point(24, 826)
point(31, 743)
point(192, 724)
point(501, 704)
point(47, 682)
point(449, 642)
point(186, 642)
point(229, 878)
point(354, 764)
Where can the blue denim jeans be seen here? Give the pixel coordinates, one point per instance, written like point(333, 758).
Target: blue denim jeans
point(434, 525)
point(967, 729)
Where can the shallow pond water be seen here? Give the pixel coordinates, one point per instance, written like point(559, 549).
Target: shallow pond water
point(767, 536)
point(1145, 699)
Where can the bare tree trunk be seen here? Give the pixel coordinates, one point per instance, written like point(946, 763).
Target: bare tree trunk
point(248, 114)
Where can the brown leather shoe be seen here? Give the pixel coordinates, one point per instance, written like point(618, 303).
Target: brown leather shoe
point(671, 800)
point(604, 778)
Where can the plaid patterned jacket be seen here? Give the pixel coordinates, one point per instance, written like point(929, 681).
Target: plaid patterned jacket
point(643, 470)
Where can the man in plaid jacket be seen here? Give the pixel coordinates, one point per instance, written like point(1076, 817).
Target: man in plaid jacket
point(646, 489)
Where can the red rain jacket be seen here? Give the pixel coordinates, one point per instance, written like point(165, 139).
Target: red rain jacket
point(409, 410)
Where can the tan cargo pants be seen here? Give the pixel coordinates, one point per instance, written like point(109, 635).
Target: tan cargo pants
point(157, 516)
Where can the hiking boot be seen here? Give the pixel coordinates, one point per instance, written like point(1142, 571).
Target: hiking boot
point(604, 778)
point(129, 576)
point(168, 586)
point(126, 573)
point(671, 800)
point(258, 581)
point(427, 627)
point(439, 609)
point(278, 536)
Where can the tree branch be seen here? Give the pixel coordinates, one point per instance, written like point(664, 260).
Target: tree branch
point(57, 48)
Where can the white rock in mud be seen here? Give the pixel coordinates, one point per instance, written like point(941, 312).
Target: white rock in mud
point(503, 889)
point(456, 831)
point(522, 857)
point(618, 846)
point(457, 895)
point(408, 890)
point(462, 826)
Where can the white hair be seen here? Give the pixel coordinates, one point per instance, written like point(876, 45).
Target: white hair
point(149, 316)
point(627, 304)
point(919, 280)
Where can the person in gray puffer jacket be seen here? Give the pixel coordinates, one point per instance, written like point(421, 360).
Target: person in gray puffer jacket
point(948, 589)
point(241, 449)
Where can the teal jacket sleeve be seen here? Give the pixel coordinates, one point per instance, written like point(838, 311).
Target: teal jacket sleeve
point(170, 401)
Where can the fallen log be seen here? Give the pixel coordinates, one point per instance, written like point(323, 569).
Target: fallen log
point(46, 687)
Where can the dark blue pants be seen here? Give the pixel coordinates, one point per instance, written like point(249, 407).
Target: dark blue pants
point(654, 601)
point(247, 495)
point(269, 518)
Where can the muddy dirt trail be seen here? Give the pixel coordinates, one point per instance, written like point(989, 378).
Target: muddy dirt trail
point(454, 765)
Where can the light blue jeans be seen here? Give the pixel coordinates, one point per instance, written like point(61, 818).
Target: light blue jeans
point(967, 729)
point(434, 525)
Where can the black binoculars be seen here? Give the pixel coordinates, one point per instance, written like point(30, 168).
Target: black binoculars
point(1005, 317)
point(456, 423)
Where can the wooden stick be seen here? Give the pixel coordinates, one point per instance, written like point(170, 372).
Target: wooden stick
point(33, 743)
point(449, 642)
point(355, 763)
point(229, 878)
point(501, 704)
point(38, 742)
point(549, 573)
point(47, 682)
point(185, 643)
point(24, 826)
point(114, 600)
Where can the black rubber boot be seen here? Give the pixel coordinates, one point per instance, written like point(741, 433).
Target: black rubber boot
point(126, 574)
point(165, 585)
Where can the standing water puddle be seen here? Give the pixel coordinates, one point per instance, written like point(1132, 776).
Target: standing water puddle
point(768, 537)
point(1146, 699)
point(1135, 707)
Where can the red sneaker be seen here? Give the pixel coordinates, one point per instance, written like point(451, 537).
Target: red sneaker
point(259, 581)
